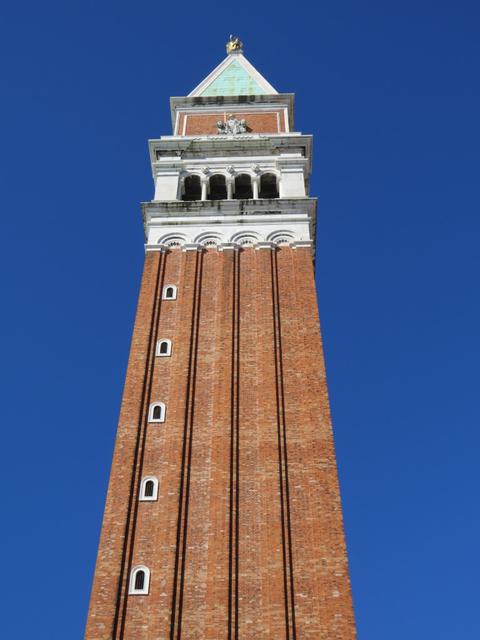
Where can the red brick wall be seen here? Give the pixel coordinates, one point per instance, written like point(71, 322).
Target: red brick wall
point(247, 531)
point(206, 124)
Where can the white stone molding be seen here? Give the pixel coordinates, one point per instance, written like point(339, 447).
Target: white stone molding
point(169, 149)
point(245, 238)
point(213, 242)
point(154, 496)
point(167, 352)
point(282, 237)
point(171, 240)
point(290, 178)
point(228, 246)
point(265, 245)
point(219, 170)
point(166, 292)
point(172, 157)
point(242, 165)
point(209, 239)
point(298, 244)
point(151, 412)
point(292, 182)
point(193, 246)
point(193, 225)
point(167, 184)
point(146, 582)
point(157, 247)
point(217, 222)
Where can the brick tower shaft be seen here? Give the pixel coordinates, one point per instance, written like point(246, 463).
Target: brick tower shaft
point(223, 518)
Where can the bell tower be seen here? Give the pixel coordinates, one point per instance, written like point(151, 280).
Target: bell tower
point(223, 517)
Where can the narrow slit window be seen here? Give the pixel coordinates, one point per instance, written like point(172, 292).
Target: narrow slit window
point(156, 412)
point(139, 581)
point(169, 292)
point(164, 348)
point(149, 489)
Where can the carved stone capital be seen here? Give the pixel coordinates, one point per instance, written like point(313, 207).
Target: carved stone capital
point(162, 248)
point(228, 246)
point(265, 245)
point(299, 244)
point(193, 246)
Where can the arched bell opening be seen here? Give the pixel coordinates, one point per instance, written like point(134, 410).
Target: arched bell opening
point(268, 186)
point(218, 187)
point(192, 188)
point(243, 187)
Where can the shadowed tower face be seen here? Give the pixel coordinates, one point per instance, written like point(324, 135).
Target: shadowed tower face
point(223, 517)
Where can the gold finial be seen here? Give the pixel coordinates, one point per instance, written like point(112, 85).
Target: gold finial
point(234, 45)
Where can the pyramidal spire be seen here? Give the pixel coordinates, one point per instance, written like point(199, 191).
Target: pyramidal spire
point(234, 76)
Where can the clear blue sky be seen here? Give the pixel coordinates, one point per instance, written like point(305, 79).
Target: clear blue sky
point(391, 93)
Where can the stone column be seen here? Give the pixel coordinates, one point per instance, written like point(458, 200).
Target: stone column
point(255, 185)
point(204, 188)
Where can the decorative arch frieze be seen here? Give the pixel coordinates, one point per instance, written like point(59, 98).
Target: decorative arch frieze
point(281, 238)
point(209, 239)
point(173, 241)
point(246, 238)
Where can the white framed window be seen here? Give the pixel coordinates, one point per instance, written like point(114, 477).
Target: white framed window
point(164, 348)
point(156, 412)
point(149, 489)
point(169, 292)
point(139, 581)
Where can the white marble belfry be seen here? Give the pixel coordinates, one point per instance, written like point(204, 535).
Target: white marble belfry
point(287, 219)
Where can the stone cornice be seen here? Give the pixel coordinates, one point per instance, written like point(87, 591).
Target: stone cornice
point(231, 246)
point(178, 149)
point(222, 208)
point(278, 221)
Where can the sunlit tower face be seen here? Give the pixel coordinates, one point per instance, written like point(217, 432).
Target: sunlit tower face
point(223, 516)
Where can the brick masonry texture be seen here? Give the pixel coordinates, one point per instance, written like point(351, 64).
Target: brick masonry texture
point(246, 538)
point(206, 124)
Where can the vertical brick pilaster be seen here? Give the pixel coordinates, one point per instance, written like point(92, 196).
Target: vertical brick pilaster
point(283, 457)
point(192, 281)
point(218, 580)
point(205, 603)
point(261, 569)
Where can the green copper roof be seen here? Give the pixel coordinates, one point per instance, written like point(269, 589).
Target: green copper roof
point(233, 81)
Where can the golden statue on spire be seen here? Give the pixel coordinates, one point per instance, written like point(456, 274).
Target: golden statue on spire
point(234, 45)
